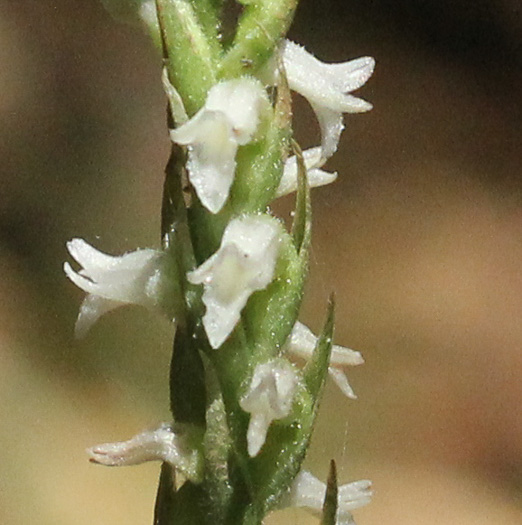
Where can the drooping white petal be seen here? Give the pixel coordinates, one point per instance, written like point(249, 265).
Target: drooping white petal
point(244, 263)
point(307, 491)
point(316, 177)
point(161, 444)
point(112, 281)
point(269, 397)
point(301, 343)
point(228, 119)
point(327, 88)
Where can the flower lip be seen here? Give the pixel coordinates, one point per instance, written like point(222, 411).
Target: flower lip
point(244, 264)
point(269, 397)
point(229, 119)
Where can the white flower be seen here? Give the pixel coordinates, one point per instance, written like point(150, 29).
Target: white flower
point(244, 263)
point(132, 278)
point(176, 447)
point(307, 491)
point(327, 88)
point(316, 177)
point(228, 119)
point(269, 397)
point(301, 343)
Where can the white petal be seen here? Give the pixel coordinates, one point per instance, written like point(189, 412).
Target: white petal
point(326, 84)
point(110, 281)
point(316, 177)
point(242, 101)
point(244, 263)
point(269, 397)
point(161, 444)
point(341, 381)
point(92, 308)
point(327, 87)
point(228, 119)
point(331, 124)
point(302, 342)
point(307, 491)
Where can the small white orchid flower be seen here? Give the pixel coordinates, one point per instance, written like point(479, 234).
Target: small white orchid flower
point(301, 343)
point(269, 397)
point(307, 491)
point(229, 119)
point(112, 281)
point(177, 447)
point(327, 88)
point(244, 263)
point(316, 177)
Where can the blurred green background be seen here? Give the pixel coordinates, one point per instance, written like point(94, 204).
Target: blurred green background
point(420, 237)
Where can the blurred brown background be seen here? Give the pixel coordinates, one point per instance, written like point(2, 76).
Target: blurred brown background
point(421, 238)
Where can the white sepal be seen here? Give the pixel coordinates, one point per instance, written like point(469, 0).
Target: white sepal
point(327, 88)
point(229, 119)
point(176, 447)
point(112, 281)
point(244, 263)
point(316, 177)
point(301, 343)
point(307, 491)
point(269, 397)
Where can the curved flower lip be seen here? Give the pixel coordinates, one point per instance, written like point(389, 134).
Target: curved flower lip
point(112, 281)
point(244, 263)
point(229, 119)
point(307, 491)
point(301, 343)
point(327, 88)
point(316, 177)
point(269, 397)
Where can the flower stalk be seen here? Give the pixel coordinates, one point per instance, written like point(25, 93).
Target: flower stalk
point(229, 275)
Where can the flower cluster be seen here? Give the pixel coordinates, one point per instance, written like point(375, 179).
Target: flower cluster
point(236, 113)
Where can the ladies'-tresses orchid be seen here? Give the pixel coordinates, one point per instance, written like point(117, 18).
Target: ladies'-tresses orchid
point(244, 263)
point(307, 491)
point(269, 397)
point(301, 343)
point(110, 281)
point(229, 119)
point(178, 445)
point(327, 88)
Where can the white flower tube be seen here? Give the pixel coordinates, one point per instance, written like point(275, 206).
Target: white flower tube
point(301, 343)
point(244, 263)
point(112, 281)
point(327, 88)
point(269, 397)
point(161, 444)
point(229, 119)
point(307, 491)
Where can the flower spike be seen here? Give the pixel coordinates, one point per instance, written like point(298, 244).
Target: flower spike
point(301, 343)
point(228, 119)
point(327, 88)
point(269, 397)
point(112, 281)
point(244, 263)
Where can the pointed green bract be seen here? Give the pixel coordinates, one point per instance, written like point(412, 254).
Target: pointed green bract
point(329, 516)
